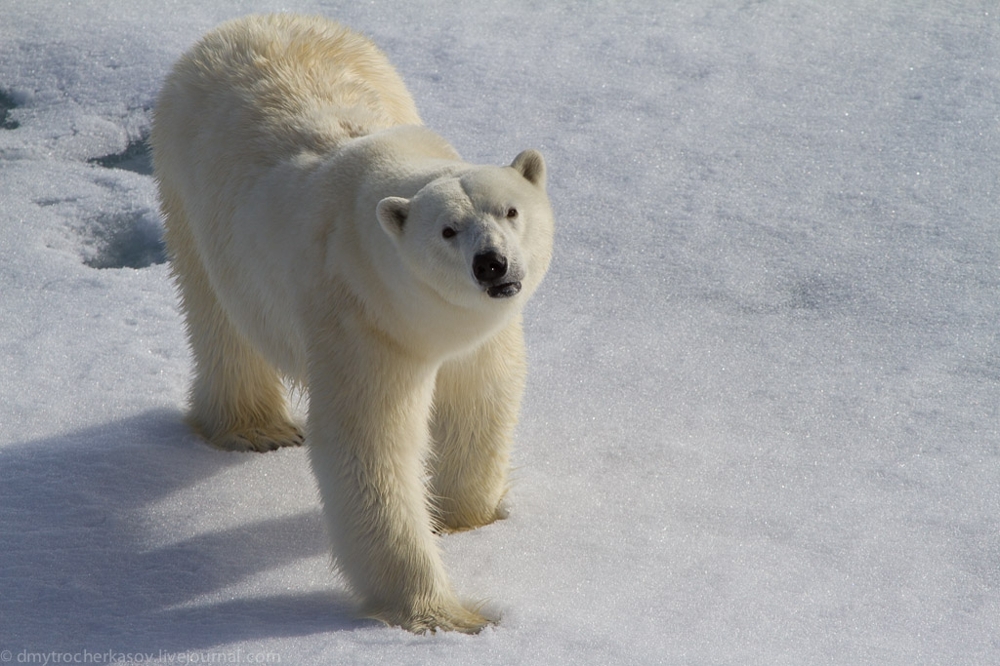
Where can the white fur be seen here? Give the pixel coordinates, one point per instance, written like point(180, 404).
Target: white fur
point(304, 209)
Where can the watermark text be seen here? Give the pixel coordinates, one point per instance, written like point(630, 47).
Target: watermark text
point(122, 658)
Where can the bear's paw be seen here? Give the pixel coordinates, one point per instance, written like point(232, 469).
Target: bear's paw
point(463, 519)
point(439, 617)
point(260, 440)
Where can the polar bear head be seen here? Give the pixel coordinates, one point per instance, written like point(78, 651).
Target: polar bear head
point(478, 236)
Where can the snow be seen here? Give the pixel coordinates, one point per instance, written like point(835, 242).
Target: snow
point(762, 423)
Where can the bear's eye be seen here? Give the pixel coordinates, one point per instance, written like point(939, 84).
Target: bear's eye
point(511, 213)
point(448, 232)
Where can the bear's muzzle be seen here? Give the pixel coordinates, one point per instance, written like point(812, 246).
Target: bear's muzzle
point(490, 270)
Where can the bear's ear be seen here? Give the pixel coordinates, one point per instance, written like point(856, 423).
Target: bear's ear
point(531, 165)
point(391, 213)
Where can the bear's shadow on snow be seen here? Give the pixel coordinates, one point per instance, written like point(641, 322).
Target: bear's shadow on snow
point(76, 568)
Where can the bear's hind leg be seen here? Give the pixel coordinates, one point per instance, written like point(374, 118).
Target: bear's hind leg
point(237, 398)
point(476, 403)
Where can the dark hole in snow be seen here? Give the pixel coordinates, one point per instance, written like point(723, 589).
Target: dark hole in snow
point(136, 157)
point(125, 240)
point(6, 104)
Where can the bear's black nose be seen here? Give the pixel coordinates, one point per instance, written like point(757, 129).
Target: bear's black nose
point(489, 266)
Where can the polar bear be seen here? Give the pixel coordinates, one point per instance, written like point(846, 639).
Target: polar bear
point(319, 233)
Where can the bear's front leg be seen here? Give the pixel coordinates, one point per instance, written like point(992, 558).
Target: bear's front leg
point(368, 437)
point(476, 402)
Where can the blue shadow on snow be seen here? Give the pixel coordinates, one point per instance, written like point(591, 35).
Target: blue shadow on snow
point(76, 568)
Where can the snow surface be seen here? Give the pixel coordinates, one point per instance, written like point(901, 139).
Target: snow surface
point(762, 419)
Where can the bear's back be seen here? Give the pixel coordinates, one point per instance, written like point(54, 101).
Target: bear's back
point(265, 88)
